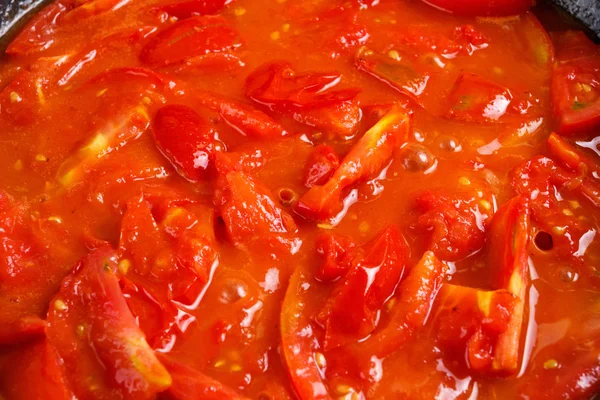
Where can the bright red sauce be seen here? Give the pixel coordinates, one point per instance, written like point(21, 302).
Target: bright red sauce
point(297, 199)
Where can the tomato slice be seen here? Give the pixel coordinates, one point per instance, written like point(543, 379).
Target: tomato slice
point(536, 41)
point(470, 321)
point(299, 349)
point(575, 84)
point(508, 254)
point(241, 117)
point(338, 253)
point(410, 308)
point(104, 351)
point(188, 38)
point(350, 313)
point(188, 383)
point(478, 100)
point(252, 217)
point(320, 165)
point(370, 154)
point(571, 157)
point(400, 74)
point(38, 34)
point(189, 8)
point(185, 140)
point(454, 223)
point(307, 97)
point(482, 7)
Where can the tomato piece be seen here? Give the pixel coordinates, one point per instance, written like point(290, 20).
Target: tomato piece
point(299, 349)
point(89, 9)
point(338, 253)
point(400, 75)
point(126, 75)
point(508, 255)
point(455, 224)
point(188, 38)
point(539, 179)
point(242, 117)
point(350, 313)
point(575, 84)
point(474, 99)
point(185, 140)
point(571, 157)
point(216, 63)
point(320, 165)
point(38, 34)
point(191, 383)
point(536, 41)
point(482, 7)
point(410, 309)
point(188, 8)
point(251, 216)
point(366, 158)
point(105, 353)
point(306, 97)
point(39, 363)
point(470, 321)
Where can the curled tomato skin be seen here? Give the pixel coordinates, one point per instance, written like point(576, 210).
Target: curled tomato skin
point(185, 139)
point(308, 97)
point(194, 36)
point(482, 7)
point(109, 342)
point(320, 165)
point(366, 158)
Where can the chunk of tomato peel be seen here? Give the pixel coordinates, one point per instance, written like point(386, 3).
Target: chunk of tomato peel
point(365, 159)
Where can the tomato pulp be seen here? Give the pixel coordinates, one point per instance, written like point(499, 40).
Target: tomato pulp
point(252, 199)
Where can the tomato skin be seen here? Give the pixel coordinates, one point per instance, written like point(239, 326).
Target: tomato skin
point(185, 139)
point(189, 383)
point(481, 7)
point(306, 97)
point(575, 90)
point(112, 342)
point(350, 312)
point(190, 37)
point(370, 153)
point(188, 8)
point(320, 165)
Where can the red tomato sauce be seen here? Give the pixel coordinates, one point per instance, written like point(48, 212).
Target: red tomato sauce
point(231, 199)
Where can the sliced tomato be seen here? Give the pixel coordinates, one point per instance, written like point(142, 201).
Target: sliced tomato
point(189, 38)
point(400, 74)
point(455, 224)
point(366, 158)
point(576, 84)
point(189, 383)
point(187, 8)
point(482, 7)
point(242, 117)
point(104, 351)
point(320, 165)
point(572, 157)
point(470, 321)
point(307, 97)
point(38, 34)
point(39, 363)
point(350, 313)
point(185, 139)
point(536, 41)
point(252, 217)
point(478, 100)
point(508, 255)
point(538, 179)
point(410, 310)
